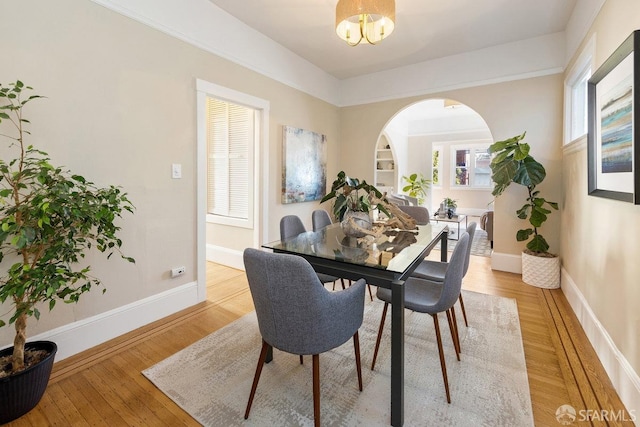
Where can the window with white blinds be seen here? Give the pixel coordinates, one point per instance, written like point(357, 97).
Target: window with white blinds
point(230, 140)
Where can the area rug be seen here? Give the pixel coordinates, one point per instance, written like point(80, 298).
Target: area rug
point(480, 245)
point(211, 379)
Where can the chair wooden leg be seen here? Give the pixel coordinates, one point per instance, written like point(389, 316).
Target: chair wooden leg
point(316, 390)
point(442, 362)
point(464, 313)
point(256, 377)
point(356, 346)
point(301, 360)
point(455, 326)
point(453, 334)
point(375, 352)
point(370, 293)
point(342, 282)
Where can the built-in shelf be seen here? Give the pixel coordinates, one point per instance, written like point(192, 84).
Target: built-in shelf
point(385, 167)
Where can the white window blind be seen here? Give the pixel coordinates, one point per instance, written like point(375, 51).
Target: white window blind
point(230, 136)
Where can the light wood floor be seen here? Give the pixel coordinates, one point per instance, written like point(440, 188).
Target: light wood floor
point(104, 387)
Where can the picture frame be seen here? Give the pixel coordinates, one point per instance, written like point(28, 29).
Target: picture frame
point(304, 165)
point(612, 155)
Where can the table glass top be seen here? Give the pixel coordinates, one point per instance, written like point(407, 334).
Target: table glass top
point(454, 218)
point(394, 251)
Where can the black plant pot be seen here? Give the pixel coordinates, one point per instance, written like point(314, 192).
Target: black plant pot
point(21, 393)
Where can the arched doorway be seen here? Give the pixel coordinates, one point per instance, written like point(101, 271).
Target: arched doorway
point(446, 141)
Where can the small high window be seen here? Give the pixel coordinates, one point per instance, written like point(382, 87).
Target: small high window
point(575, 116)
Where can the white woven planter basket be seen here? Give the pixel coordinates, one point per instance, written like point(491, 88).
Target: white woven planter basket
point(540, 271)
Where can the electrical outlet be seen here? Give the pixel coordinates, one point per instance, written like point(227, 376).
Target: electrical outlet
point(178, 271)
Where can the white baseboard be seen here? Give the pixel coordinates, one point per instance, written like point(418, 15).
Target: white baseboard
point(625, 380)
point(84, 334)
point(225, 256)
point(506, 262)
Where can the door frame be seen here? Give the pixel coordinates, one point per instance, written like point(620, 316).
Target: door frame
point(260, 173)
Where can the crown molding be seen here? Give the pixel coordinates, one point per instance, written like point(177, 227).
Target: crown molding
point(201, 23)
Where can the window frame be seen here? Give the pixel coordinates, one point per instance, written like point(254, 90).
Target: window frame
point(576, 82)
point(439, 149)
point(473, 147)
point(207, 89)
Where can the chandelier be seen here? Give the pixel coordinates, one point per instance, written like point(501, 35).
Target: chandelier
point(365, 20)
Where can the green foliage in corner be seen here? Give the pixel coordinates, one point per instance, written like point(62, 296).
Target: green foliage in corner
point(49, 218)
point(512, 163)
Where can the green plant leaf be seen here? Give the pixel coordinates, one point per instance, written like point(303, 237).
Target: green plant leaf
point(529, 173)
point(538, 244)
point(537, 217)
point(521, 152)
point(523, 235)
point(502, 175)
point(523, 212)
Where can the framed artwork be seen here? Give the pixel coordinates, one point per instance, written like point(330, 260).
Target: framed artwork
point(304, 165)
point(613, 131)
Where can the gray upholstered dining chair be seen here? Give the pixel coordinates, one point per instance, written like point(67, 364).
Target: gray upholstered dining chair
point(424, 296)
point(296, 314)
point(435, 271)
point(392, 198)
point(419, 213)
point(291, 226)
point(320, 219)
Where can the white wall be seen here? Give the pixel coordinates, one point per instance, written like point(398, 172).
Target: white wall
point(600, 239)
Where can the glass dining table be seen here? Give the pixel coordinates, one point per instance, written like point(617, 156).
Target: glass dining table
point(386, 261)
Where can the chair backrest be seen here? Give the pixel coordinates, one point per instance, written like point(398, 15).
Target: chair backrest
point(291, 226)
point(413, 201)
point(295, 312)
point(419, 213)
point(320, 219)
point(471, 229)
point(396, 200)
point(453, 277)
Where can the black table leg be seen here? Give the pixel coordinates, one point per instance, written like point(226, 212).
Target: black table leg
point(397, 353)
point(443, 246)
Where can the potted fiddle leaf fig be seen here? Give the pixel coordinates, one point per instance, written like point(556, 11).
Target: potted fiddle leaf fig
point(417, 186)
point(49, 219)
point(512, 163)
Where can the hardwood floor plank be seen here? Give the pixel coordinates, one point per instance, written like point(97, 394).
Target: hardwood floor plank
point(97, 399)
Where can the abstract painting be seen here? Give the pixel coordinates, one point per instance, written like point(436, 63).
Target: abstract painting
point(304, 165)
point(613, 160)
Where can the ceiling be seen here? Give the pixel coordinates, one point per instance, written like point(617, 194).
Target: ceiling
point(425, 29)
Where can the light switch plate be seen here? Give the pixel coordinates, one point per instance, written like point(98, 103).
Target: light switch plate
point(176, 171)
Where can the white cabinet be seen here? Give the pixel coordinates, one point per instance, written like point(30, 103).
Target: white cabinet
point(386, 176)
